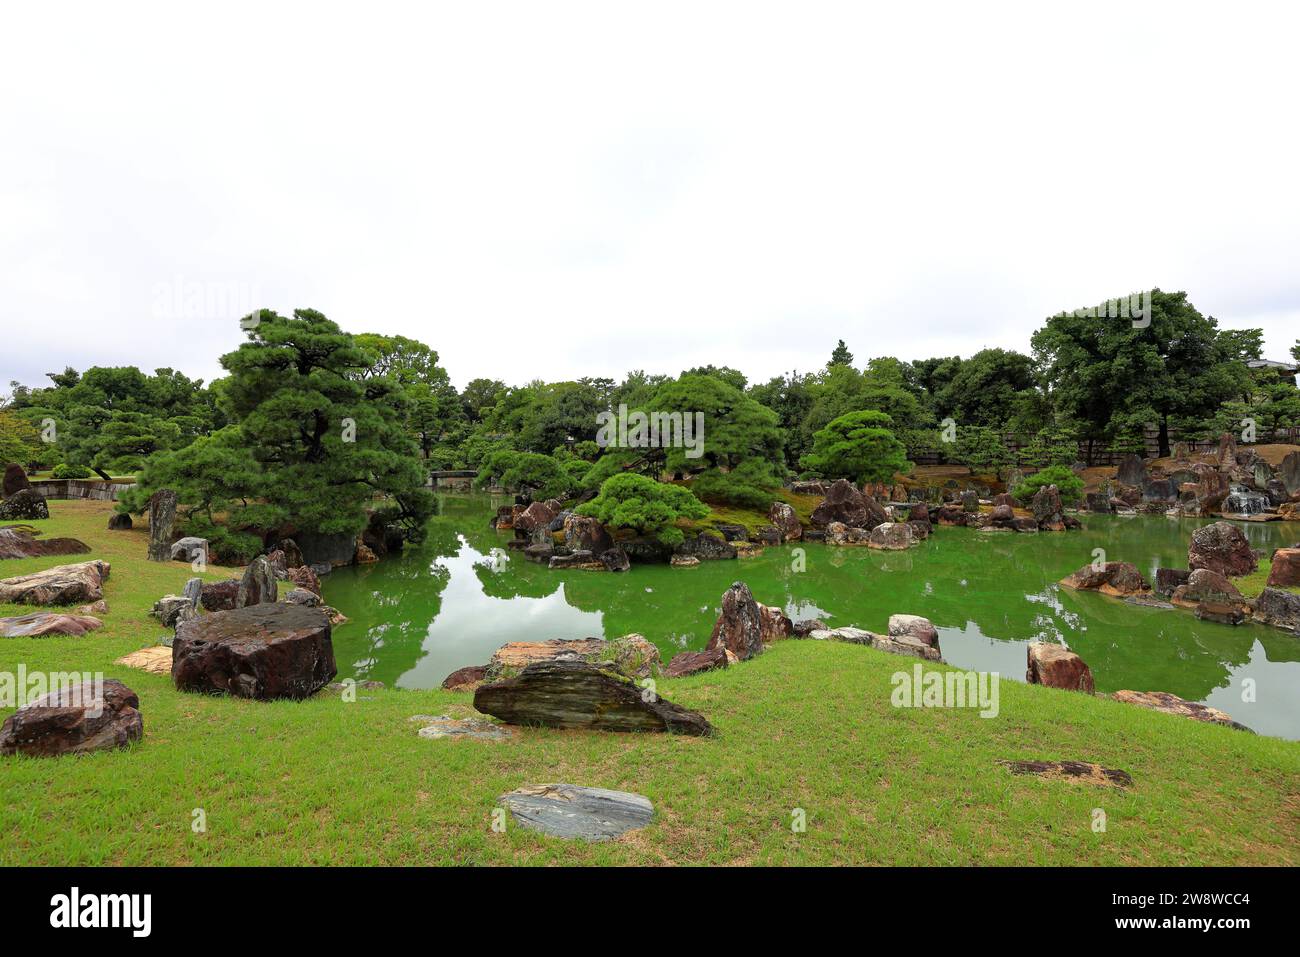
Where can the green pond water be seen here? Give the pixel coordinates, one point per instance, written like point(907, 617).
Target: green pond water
point(455, 599)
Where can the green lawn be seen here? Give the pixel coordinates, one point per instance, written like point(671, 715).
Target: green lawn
point(808, 725)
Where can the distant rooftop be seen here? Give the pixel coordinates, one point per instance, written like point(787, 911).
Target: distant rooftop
point(1270, 364)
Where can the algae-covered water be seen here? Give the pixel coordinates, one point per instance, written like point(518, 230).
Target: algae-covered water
point(456, 598)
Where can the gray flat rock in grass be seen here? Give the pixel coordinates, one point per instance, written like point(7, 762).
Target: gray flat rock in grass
point(570, 811)
point(441, 726)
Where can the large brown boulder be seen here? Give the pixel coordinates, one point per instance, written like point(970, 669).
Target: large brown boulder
point(1056, 667)
point(783, 516)
point(1205, 584)
point(1206, 495)
point(15, 480)
point(19, 543)
point(584, 533)
point(261, 651)
point(892, 536)
point(580, 694)
point(88, 716)
point(1111, 578)
point(62, 585)
point(40, 624)
point(1221, 547)
point(739, 627)
point(1278, 608)
point(26, 504)
point(1285, 572)
point(1168, 579)
point(844, 503)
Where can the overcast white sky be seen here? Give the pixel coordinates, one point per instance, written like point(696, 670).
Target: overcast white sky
point(555, 190)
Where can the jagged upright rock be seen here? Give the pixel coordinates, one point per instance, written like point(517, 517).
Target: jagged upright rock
point(162, 518)
point(258, 584)
point(1289, 472)
point(1047, 508)
point(584, 533)
point(783, 516)
point(739, 628)
point(845, 504)
point(1132, 471)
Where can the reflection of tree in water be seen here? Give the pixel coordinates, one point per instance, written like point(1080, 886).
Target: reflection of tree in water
point(988, 593)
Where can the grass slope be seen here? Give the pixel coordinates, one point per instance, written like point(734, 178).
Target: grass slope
point(808, 725)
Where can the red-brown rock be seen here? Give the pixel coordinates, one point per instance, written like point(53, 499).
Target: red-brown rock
point(1221, 547)
point(689, 662)
point(88, 716)
point(1111, 578)
point(465, 679)
point(845, 504)
point(303, 577)
point(1285, 572)
point(19, 543)
point(739, 628)
point(260, 651)
point(40, 624)
point(1056, 667)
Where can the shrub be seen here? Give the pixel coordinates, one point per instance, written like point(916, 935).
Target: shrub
point(634, 501)
point(66, 471)
point(1069, 485)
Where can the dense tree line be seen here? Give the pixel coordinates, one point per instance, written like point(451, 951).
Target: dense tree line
point(264, 444)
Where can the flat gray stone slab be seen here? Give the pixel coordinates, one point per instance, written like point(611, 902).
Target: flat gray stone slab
point(441, 726)
point(570, 811)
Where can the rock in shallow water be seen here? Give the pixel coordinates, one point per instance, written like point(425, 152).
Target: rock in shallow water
point(570, 811)
point(1056, 667)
